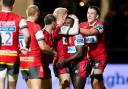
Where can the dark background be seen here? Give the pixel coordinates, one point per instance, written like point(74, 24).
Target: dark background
point(116, 23)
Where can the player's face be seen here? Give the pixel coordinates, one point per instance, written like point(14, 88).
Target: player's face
point(54, 24)
point(91, 15)
point(64, 16)
point(67, 22)
point(37, 15)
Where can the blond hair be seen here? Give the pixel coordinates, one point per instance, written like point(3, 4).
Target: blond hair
point(60, 11)
point(32, 10)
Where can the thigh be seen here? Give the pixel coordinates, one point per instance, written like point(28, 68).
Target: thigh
point(3, 70)
point(78, 75)
point(13, 71)
point(64, 80)
point(36, 83)
point(46, 84)
point(36, 72)
point(28, 82)
point(79, 82)
point(99, 66)
point(61, 71)
point(2, 83)
point(79, 69)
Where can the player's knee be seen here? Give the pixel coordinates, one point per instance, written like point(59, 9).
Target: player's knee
point(65, 84)
point(98, 77)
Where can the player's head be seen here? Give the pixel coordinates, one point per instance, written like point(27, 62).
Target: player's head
point(60, 12)
point(8, 3)
point(69, 21)
point(50, 19)
point(32, 11)
point(93, 13)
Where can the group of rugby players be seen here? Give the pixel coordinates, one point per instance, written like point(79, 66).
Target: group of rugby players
point(76, 50)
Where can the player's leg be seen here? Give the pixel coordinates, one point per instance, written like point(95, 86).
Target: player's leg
point(97, 75)
point(97, 80)
point(2, 82)
point(12, 84)
point(63, 77)
point(36, 83)
point(46, 84)
point(64, 80)
point(28, 82)
point(78, 75)
point(12, 74)
point(3, 72)
point(40, 77)
point(46, 80)
point(34, 78)
point(78, 82)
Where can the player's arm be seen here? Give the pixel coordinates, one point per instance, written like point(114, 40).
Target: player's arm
point(25, 31)
point(74, 30)
point(98, 29)
point(45, 48)
point(42, 44)
point(76, 56)
point(90, 32)
point(80, 49)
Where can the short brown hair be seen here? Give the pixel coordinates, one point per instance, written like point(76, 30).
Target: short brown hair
point(95, 8)
point(49, 18)
point(8, 2)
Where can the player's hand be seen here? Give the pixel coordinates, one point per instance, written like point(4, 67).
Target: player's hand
point(24, 51)
point(73, 17)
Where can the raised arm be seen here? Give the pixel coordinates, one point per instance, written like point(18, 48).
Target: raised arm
point(74, 30)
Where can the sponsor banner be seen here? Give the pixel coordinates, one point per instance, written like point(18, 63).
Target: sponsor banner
point(115, 77)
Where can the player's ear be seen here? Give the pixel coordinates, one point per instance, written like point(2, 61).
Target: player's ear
point(97, 16)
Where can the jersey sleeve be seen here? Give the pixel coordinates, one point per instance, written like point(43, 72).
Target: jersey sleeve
point(75, 29)
point(64, 30)
point(39, 35)
point(23, 24)
point(99, 27)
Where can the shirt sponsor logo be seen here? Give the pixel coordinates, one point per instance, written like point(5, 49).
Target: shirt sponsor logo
point(79, 40)
point(91, 39)
point(26, 58)
point(8, 26)
point(8, 52)
point(7, 23)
